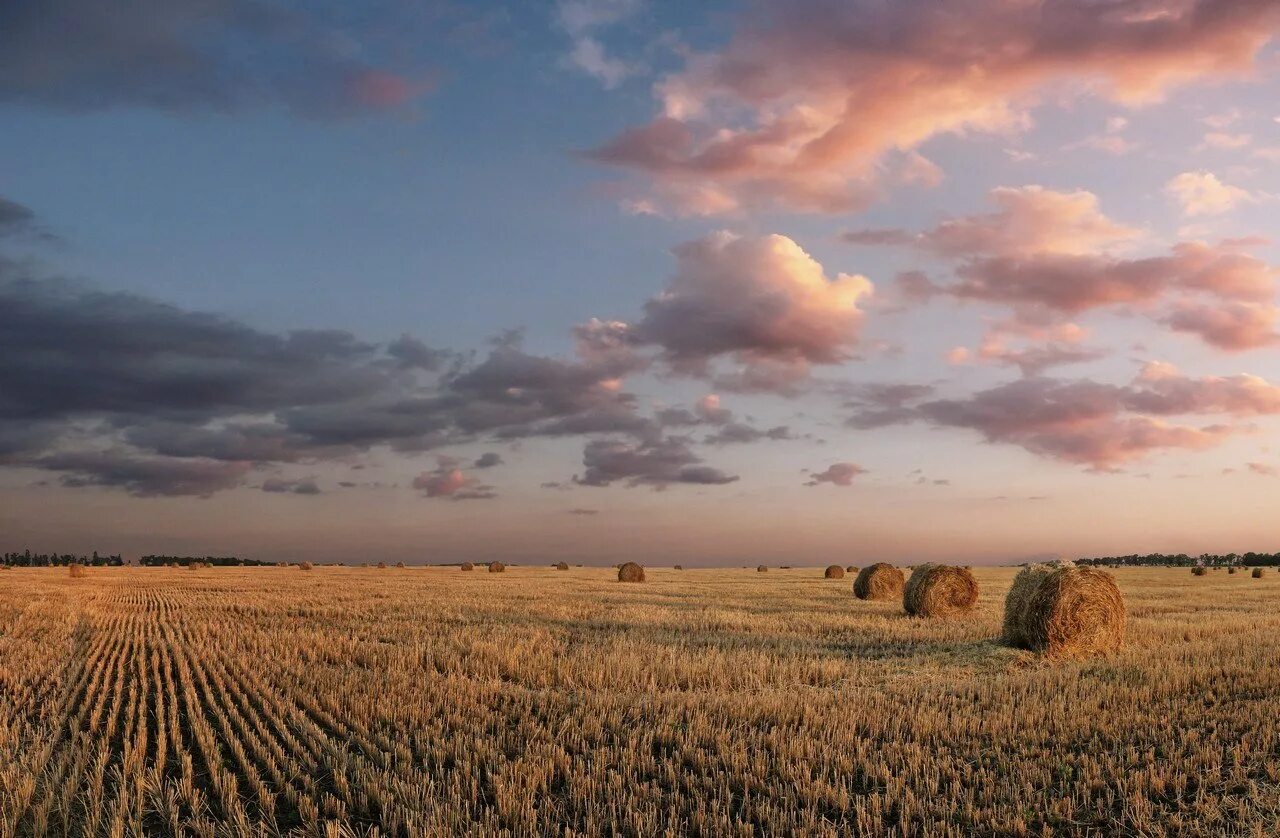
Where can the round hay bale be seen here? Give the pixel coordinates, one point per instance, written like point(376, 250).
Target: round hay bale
point(1198, 571)
point(1015, 602)
point(678, 567)
point(761, 569)
point(497, 567)
point(1257, 573)
point(853, 568)
point(399, 564)
point(879, 581)
point(562, 566)
point(1073, 612)
point(467, 566)
point(382, 565)
point(75, 571)
point(630, 572)
point(1231, 569)
point(834, 571)
point(939, 590)
point(305, 566)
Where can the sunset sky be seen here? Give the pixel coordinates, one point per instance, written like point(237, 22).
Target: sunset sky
point(787, 282)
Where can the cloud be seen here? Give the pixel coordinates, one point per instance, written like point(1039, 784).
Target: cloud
point(580, 20)
point(762, 302)
point(1030, 220)
point(143, 476)
point(189, 55)
point(447, 480)
point(296, 487)
point(800, 106)
point(656, 463)
point(1202, 193)
point(1233, 327)
point(837, 474)
point(489, 459)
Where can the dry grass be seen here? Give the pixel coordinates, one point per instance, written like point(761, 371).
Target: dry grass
point(353, 702)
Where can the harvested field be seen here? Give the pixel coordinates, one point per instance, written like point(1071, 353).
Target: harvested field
point(245, 701)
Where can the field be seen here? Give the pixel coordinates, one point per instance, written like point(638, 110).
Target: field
point(348, 701)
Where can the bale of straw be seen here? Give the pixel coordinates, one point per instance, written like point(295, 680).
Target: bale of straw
point(399, 564)
point(630, 572)
point(761, 569)
point(1257, 573)
point(1015, 602)
point(679, 567)
point(879, 581)
point(467, 566)
point(1231, 569)
point(1198, 571)
point(853, 568)
point(382, 565)
point(562, 566)
point(305, 566)
point(497, 567)
point(75, 571)
point(834, 571)
point(939, 590)
point(1072, 612)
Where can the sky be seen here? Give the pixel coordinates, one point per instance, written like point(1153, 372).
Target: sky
point(605, 280)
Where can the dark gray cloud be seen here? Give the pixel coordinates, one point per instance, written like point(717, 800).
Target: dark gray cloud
point(207, 55)
point(144, 476)
point(489, 459)
point(741, 433)
point(656, 463)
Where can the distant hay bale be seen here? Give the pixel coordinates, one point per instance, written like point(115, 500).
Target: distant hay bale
point(282, 564)
point(562, 566)
point(630, 572)
point(382, 565)
point(1231, 569)
point(679, 567)
point(75, 571)
point(497, 567)
point(939, 590)
point(1071, 612)
point(467, 566)
point(1257, 573)
point(1198, 571)
point(834, 571)
point(853, 568)
point(399, 564)
point(879, 581)
point(305, 566)
point(761, 569)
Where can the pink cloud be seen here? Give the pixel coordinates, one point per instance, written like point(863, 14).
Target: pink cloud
point(808, 96)
point(837, 474)
point(449, 481)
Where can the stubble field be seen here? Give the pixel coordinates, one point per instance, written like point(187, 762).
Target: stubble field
point(348, 701)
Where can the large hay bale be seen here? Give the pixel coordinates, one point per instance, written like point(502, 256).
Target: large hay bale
point(497, 567)
point(939, 590)
point(630, 572)
point(75, 571)
point(467, 566)
point(562, 566)
point(1071, 612)
point(1015, 602)
point(1198, 571)
point(761, 569)
point(879, 581)
point(834, 571)
point(1257, 573)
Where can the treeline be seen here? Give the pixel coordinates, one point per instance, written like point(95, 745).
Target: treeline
point(1184, 560)
point(28, 559)
point(216, 561)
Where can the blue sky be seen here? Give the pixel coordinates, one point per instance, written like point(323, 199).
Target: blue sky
point(459, 172)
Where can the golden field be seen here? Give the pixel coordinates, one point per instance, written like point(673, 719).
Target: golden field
point(429, 701)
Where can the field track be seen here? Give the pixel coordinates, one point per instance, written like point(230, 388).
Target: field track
point(344, 701)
